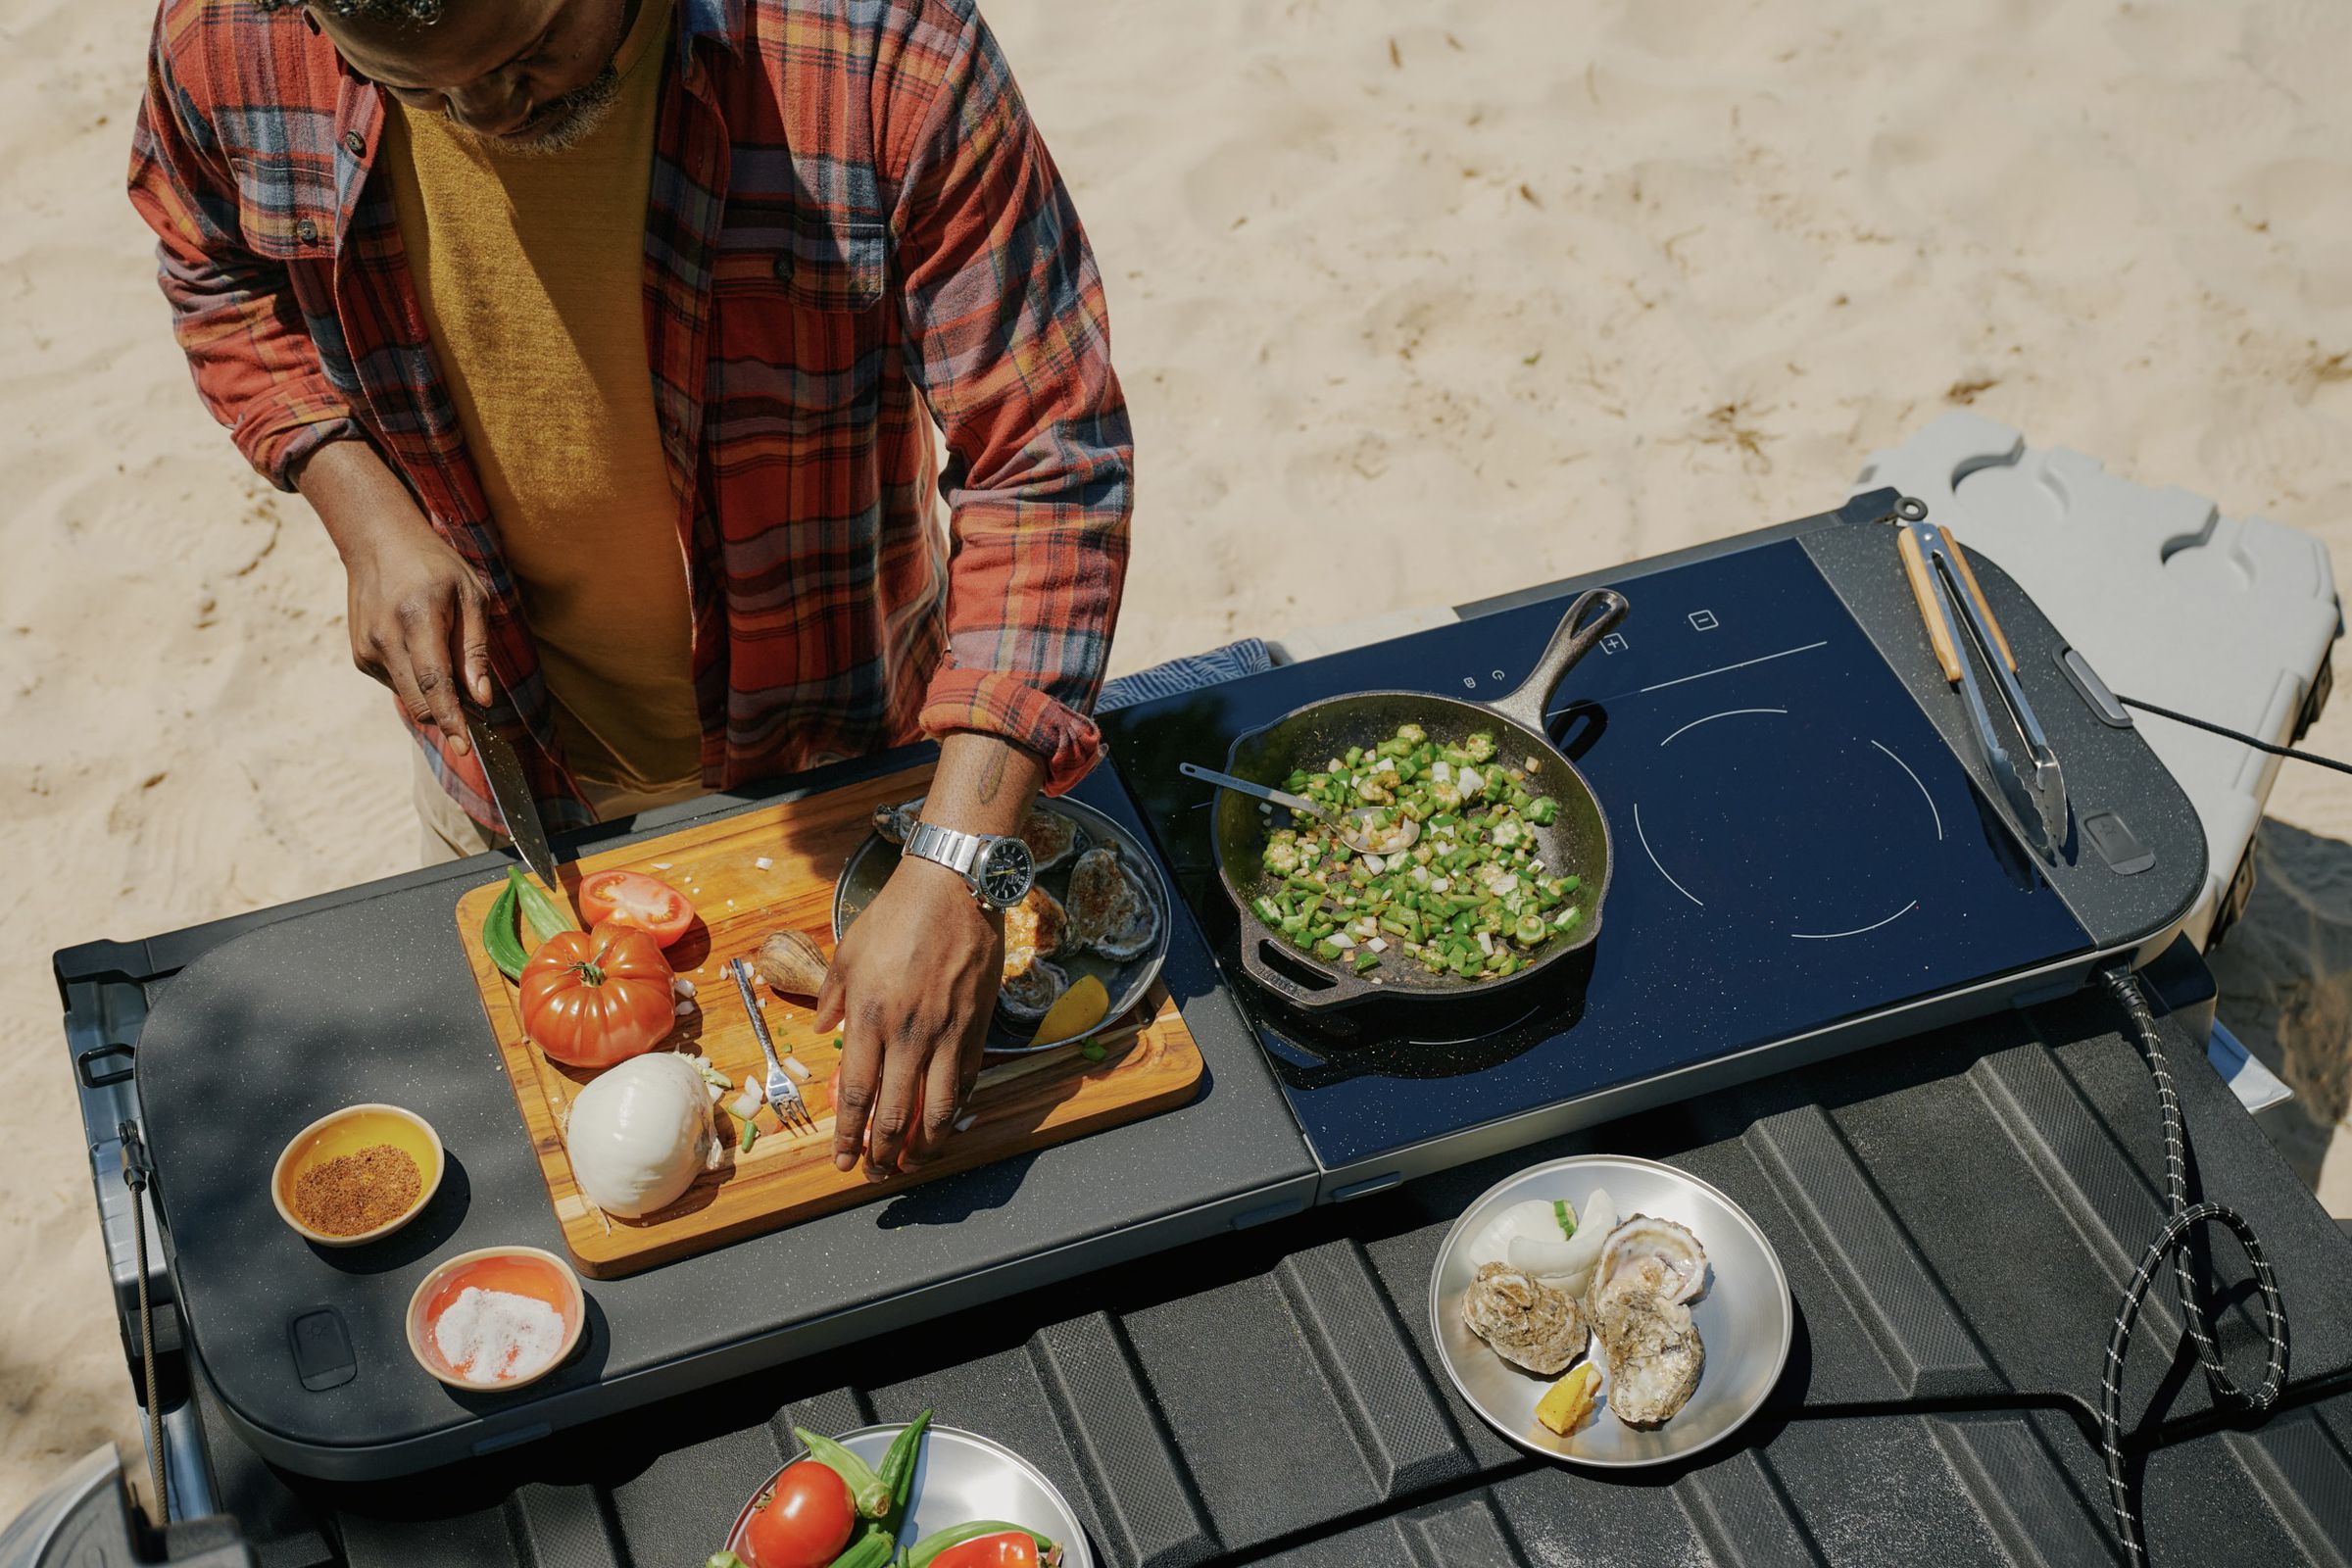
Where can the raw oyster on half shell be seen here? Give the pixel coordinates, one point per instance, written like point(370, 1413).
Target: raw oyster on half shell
point(1665, 1256)
point(1653, 1348)
point(1111, 910)
point(1528, 1323)
point(1031, 994)
point(1051, 836)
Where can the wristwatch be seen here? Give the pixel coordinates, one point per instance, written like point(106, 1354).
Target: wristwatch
point(999, 870)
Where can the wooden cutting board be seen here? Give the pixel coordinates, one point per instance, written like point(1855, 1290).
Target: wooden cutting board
point(1150, 1062)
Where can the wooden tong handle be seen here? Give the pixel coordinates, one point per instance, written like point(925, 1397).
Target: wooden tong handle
point(1931, 612)
point(1968, 574)
point(1922, 589)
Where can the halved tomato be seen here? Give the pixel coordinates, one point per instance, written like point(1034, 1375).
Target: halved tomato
point(633, 899)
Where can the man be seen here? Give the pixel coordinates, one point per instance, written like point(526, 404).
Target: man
point(606, 337)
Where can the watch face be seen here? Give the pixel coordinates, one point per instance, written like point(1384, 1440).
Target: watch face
point(1005, 872)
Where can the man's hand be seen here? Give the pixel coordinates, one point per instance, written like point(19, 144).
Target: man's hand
point(915, 981)
point(911, 987)
point(419, 616)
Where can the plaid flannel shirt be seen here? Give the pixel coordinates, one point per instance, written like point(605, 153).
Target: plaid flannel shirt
point(854, 230)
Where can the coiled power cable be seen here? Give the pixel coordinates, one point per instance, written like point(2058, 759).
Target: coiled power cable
point(2173, 1242)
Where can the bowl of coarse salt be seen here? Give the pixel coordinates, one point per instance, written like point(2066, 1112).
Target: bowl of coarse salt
point(496, 1318)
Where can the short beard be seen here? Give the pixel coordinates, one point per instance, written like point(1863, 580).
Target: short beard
point(564, 123)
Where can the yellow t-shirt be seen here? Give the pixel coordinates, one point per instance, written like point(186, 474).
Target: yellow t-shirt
point(530, 270)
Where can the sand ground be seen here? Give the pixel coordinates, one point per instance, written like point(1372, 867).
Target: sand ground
point(1467, 294)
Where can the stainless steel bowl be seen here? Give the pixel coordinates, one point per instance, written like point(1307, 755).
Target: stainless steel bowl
point(961, 1477)
point(1746, 1318)
point(873, 862)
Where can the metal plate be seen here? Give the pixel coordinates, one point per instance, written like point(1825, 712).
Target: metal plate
point(962, 1476)
point(1746, 1318)
point(873, 860)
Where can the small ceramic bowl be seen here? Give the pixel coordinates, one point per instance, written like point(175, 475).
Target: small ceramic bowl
point(519, 1270)
point(347, 1132)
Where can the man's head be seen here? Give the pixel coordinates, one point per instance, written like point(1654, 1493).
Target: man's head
point(532, 76)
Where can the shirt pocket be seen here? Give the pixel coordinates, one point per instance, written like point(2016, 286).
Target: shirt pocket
point(799, 323)
point(279, 218)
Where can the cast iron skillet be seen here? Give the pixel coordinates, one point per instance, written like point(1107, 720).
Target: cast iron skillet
point(1577, 843)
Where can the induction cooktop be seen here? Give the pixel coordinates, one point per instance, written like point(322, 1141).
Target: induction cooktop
point(1801, 858)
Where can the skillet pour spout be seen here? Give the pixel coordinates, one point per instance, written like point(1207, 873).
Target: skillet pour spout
point(1577, 840)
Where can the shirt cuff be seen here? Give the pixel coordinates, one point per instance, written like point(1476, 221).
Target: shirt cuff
point(277, 440)
point(994, 702)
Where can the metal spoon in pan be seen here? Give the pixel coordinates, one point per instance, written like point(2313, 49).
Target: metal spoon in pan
point(1355, 828)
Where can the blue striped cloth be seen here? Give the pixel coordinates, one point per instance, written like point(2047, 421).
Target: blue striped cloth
point(1248, 657)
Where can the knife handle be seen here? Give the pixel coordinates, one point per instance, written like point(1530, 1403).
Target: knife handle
point(1968, 575)
point(1931, 605)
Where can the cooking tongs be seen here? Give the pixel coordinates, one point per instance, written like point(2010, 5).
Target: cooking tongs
point(1958, 618)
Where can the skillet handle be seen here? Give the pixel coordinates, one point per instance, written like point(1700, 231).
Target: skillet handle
point(1594, 614)
point(1256, 965)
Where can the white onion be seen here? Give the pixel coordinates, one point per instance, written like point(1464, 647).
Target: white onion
point(639, 1134)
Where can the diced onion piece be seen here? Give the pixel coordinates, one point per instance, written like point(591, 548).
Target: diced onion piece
point(1535, 765)
point(762, 864)
point(681, 985)
point(792, 1065)
point(1378, 944)
point(1441, 884)
point(1374, 865)
point(963, 1123)
point(1442, 770)
point(746, 1105)
point(660, 865)
point(1486, 944)
point(1469, 782)
point(1341, 941)
point(685, 1006)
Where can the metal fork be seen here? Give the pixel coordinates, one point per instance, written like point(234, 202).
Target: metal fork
point(782, 1092)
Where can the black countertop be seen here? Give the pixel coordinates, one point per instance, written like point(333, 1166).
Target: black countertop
point(371, 999)
point(1955, 1224)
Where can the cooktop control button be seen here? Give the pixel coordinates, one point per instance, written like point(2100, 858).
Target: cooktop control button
point(2094, 690)
point(2117, 845)
point(322, 1357)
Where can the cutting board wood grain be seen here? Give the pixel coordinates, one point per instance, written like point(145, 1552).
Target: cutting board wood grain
point(1149, 1064)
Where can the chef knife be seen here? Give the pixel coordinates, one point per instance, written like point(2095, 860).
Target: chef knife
point(516, 807)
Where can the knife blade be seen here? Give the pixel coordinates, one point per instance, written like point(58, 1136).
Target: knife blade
point(516, 807)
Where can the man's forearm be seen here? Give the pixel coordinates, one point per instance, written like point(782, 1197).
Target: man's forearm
point(358, 497)
point(984, 784)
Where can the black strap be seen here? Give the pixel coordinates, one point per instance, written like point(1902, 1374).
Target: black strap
point(2172, 1240)
point(137, 1171)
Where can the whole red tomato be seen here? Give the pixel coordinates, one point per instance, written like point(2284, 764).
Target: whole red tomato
point(598, 998)
point(803, 1520)
point(1008, 1549)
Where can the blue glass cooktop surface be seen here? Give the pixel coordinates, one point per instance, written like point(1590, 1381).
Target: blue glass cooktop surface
point(1794, 845)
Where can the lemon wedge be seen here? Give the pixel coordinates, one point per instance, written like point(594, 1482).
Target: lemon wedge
point(1564, 1407)
point(1077, 1010)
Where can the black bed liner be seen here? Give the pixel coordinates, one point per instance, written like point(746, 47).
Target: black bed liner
point(1967, 1206)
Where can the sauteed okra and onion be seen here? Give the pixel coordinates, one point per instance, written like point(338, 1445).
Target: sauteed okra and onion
point(1470, 897)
